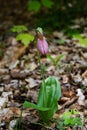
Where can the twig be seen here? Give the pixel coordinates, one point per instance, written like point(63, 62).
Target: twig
point(68, 103)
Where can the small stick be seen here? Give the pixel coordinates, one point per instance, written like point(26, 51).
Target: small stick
point(68, 103)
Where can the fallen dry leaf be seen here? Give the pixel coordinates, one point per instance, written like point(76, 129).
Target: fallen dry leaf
point(81, 97)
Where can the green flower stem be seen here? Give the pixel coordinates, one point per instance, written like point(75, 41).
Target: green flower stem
point(41, 66)
point(43, 78)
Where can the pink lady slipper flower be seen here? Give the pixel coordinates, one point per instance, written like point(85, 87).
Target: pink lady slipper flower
point(42, 46)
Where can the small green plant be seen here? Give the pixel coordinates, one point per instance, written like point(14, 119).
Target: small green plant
point(56, 60)
point(19, 124)
point(47, 103)
point(35, 5)
point(25, 38)
point(70, 119)
point(50, 90)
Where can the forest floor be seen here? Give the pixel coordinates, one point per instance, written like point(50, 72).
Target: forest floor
point(20, 79)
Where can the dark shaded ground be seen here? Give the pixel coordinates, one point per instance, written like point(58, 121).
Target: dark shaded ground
point(20, 80)
point(13, 13)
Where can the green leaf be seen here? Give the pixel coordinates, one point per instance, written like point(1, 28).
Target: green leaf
point(19, 28)
point(34, 5)
point(25, 38)
point(49, 94)
point(60, 125)
point(51, 89)
point(55, 60)
point(59, 57)
point(67, 121)
point(51, 58)
point(48, 97)
point(47, 3)
point(77, 36)
point(73, 121)
point(78, 121)
point(82, 41)
point(74, 112)
point(66, 115)
point(34, 106)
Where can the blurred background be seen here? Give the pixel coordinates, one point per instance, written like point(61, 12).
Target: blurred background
point(49, 14)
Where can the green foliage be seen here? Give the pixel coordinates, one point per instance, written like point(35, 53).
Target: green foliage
point(19, 28)
point(59, 14)
point(35, 5)
point(34, 106)
point(70, 32)
point(56, 60)
point(60, 124)
point(82, 40)
point(48, 96)
point(19, 124)
point(25, 38)
point(47, 3)
point(70, 119)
